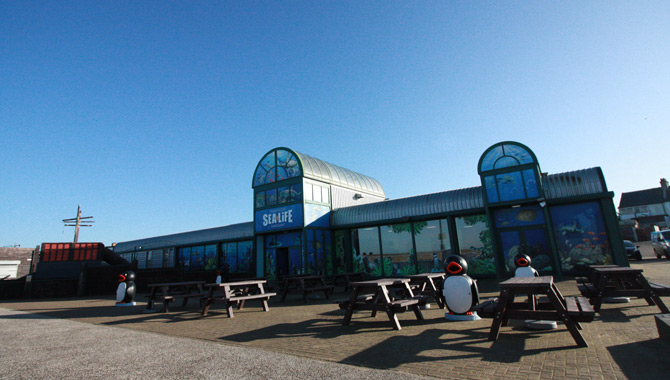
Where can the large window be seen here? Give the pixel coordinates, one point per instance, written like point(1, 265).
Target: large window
point(236, 257)
point(278, 196)
point(474, 241)
point(340, 262)
point(511, 186)
point(432, 244)
point(580, 235)
point(317, 248)
point(399, 257)
point(367, 254)
point(317, 193)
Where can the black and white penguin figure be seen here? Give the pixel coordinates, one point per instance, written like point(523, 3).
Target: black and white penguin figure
point(523, 268)
point(460, 291)
point(218, 277)
point(125, 292)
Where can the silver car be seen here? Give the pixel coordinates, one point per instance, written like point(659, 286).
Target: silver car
point(660, 240)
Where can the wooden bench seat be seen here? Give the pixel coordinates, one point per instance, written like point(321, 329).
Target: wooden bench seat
point(363, 298)
point(166, 300)
point(660, 289)
point(587, 289)
point(403, 305)
point(265, 296)
point(579, 309)
point(486, 309)
point(161, 298)
point(320, 288)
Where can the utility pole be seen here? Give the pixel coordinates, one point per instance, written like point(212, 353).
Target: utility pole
point(78, 223)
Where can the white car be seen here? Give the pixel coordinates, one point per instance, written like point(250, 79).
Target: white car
point(660, 240)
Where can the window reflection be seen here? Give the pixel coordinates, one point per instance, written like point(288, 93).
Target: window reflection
point(367, 256)
point(432, 245)
point(474, 241)
point(399, 258)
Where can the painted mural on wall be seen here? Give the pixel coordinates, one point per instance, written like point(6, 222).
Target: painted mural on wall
point(339, 261)
point(531, 242)
point(580, 235)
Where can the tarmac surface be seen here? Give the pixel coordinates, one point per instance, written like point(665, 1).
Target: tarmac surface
point(89, 338)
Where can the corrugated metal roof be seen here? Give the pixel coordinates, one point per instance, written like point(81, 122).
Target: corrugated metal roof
point(422, 205)
point(230, 232)
point(317, 169)
point(562, 185)
point(574, 183)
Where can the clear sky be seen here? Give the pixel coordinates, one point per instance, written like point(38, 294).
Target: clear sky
point(154, 114)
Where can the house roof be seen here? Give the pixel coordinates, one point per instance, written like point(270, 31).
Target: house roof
point(641, 197)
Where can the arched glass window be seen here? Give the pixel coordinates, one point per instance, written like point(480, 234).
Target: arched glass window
point(506, 155)
point(509, 172)
point(278, 165)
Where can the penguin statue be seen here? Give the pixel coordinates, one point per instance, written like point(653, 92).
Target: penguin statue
point(218, 277)
point(460, 291)
point(523, 269)
point(125, 292)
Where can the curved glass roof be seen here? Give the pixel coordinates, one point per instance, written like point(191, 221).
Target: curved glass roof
point(282, 163)
point(504, 155)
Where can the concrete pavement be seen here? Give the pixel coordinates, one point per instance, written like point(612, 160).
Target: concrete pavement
point(296, 340)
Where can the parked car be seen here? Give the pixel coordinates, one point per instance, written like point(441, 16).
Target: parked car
point(632, 250)
point(660, 240)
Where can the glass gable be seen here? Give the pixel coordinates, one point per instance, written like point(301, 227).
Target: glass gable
point(277, 165)
point(500, 179)
point(506, 155)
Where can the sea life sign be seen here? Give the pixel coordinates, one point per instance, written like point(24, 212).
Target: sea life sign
point(279, 218)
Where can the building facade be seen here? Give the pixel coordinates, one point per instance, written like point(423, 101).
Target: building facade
point(649, 207)
point(311, 216)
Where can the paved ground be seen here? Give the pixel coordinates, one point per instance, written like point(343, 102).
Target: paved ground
point(297, 340)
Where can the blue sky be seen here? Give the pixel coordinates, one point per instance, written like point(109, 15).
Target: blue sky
point(153, 115)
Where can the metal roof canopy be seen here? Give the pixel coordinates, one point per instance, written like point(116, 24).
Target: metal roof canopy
point(556, 186)
point(231, 232)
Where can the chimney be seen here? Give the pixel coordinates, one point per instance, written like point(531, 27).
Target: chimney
point(664, 187)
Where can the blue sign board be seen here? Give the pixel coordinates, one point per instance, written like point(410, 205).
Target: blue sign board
point(279, 218)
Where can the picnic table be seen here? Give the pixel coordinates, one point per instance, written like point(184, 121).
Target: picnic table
point(378, 295)
point(344, 279)
point(616, 281)
point(168, 291)
point(236, 293)
point(429, 284)
point(304, 284)
point(569, 310)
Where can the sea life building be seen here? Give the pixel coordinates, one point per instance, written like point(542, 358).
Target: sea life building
point(311, 216)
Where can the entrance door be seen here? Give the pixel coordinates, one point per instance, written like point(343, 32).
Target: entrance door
point(529, 241)
point(282, 262)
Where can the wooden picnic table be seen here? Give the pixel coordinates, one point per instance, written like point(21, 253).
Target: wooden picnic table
point(168, 291)
point(304, 284)
point(569, 310)
point(344, 279)
point(615, 281)
point(377, 295)
point(430, 284)
point(236, 293)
